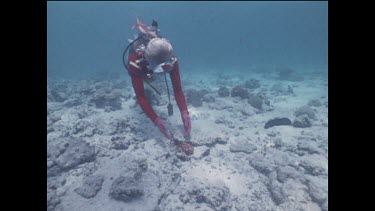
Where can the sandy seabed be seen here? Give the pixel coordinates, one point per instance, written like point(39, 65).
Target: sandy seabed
point(104, 154)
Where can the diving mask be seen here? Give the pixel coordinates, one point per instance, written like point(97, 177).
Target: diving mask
point(164, 67)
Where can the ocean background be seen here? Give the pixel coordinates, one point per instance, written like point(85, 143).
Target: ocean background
point(88, 37)
point(255, 79)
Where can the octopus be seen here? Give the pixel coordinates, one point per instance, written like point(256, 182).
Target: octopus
point(184, 147)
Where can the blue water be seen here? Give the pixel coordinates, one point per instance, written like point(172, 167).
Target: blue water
point(84, 38)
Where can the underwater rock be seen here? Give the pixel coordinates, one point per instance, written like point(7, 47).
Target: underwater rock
point(129, 125)
point(281, 89)
point(86, 90)
point(262, 164)
point(49, 96)
point(52, 168)
point(220, 120)
point(315, 103)
point(49, 125)
point(305, 110)
point(240, 91)
point(76, 152)
point(52, 200)
point(252, 84)
point(242, 145)
point(308, 147)
point(58, 96)
point(216, 197)
point(223, 120)
point(302, 121)
point(107, 98)
point(126, 189)
point(194, 97)
point(56, 116)
point(275, 188)
point(318, 190)
point(201, 151)
point(120, 142)
point(203, 92)
point(182, 156)
point(117, 126)
point(72, 102)
point(313, 167)
point(289, 193)
point(278, 143)
point(288, 172)
point(54, 106)
point(54, 183)
point(91, 186)
point(277, 122)
point(209, 98)
point(286, 73)
point(84, 111)
point(255, 101)
point(223, 91)
point(209, 142)
point(80, 126)
point(324, 206)
point(259, 101)
point(219, 140)
point(272, 133)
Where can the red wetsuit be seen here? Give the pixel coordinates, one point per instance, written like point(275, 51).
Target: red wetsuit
point(138, 70)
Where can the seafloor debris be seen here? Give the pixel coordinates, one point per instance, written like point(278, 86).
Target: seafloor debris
point(91, 186)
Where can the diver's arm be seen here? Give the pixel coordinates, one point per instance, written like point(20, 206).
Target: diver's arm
point(177, 89)
point(142, 100)
point(180, 98)
point(137, 81)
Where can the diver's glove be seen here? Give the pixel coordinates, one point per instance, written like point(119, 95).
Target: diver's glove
point(163, 128)
point(187, 122)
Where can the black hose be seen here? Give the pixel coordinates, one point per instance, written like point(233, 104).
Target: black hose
point(125, 63)
point(126, 50)
point(165, 77)
point(169, 107)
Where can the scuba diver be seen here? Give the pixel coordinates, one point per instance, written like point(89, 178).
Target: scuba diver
point(149, 56)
